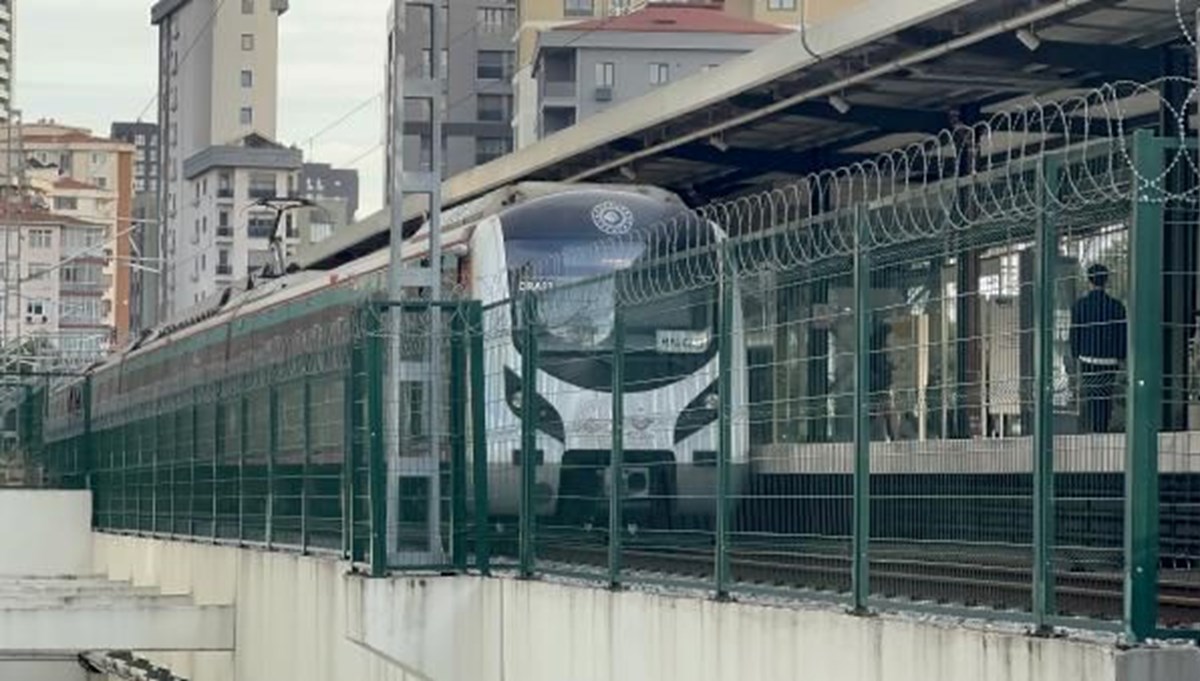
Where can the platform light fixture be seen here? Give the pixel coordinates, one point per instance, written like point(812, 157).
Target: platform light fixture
point(629, 173)
point(839, 104)
point(1029, 39)
point(718, 142)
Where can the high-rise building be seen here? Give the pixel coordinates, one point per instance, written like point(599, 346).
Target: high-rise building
point(586, 67)
point(90, 179)
point(8, 35)
point(218, 94)
point(479, 62)
point(143, 275)
point(321, 181)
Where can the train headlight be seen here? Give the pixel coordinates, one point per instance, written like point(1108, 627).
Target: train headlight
point(712, 400)
point(514, 400)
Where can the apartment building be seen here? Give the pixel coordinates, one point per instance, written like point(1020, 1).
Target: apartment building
point(89, 178)
point(479, 64)
point(538, 16)
point(53, 286)
point(8, 34)
point(584, 68)
point(322, 182)
point(144, 270)
point(218, 97)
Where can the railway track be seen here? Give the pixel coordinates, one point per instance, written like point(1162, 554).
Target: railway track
point(994, 579)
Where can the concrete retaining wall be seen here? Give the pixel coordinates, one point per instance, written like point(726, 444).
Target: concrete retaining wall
point(305, 618)
point(291, 610)
point(45, 533)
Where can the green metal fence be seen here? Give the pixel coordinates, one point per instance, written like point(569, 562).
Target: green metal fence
point(858, 393)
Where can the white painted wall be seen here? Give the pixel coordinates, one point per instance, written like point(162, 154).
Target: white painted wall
point(45, 533)
point(305, 618)
point(31, 669)
point(291, 610)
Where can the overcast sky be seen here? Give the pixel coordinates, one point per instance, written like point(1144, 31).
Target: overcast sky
point(91, 62)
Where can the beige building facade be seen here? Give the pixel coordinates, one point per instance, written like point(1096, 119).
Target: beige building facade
point(89, 179)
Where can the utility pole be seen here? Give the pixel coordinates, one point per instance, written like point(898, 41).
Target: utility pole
point(414, 467)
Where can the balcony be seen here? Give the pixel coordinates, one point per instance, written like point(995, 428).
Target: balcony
point(224, 270)
point(558, 89)
point(225, 193)
point(224, 232)
point(262, 193)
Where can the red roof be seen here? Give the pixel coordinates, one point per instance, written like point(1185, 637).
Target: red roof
point(670, 17)
point(69, 138)
point(29, 215)
point(72, 183)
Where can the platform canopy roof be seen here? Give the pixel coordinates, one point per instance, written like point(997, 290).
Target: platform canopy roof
point(898, 71)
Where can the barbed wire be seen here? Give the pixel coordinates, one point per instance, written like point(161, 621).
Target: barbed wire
point(1065, 156)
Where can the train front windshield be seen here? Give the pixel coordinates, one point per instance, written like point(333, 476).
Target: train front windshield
point(581, 275)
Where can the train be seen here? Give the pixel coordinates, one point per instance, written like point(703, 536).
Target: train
point(569, 243)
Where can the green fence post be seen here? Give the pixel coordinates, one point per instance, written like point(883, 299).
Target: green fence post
point(1144, 408)
point(479, 439)
point(155, 447)
point(1046, 254)
point(861, 540)
point(725, 342)
point(528, 408)
point(377, 463)
point(458, 438)
point(191, 510)
point(272, 450)
point(86, 459)
point(244, 442)
point(616, 464)
point(306, 469)
point(218, 453)
point(352, 441)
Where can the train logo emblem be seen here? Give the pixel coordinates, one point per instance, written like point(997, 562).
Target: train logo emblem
point(612, 218)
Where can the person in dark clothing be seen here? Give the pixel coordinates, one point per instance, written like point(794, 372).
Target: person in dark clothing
point(1098, 343)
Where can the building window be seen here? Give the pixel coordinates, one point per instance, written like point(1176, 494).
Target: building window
point(222, 218)
point(320, 231)
point(247, 42)
point(101, 182)
point(495, 107)
point(495, 19)
point(427, 64)
point(247, 6)
point(578, 8)
point(247, 78)
point(35, 308)
point(660, 73)
point(606, 74)
point(781, 4)
point(225, 185)
point(66, 203)
point(246, 116)
point(262, 185)
point(490, 148)
point(260, 225)
point(494, 65)
point(40, 238)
